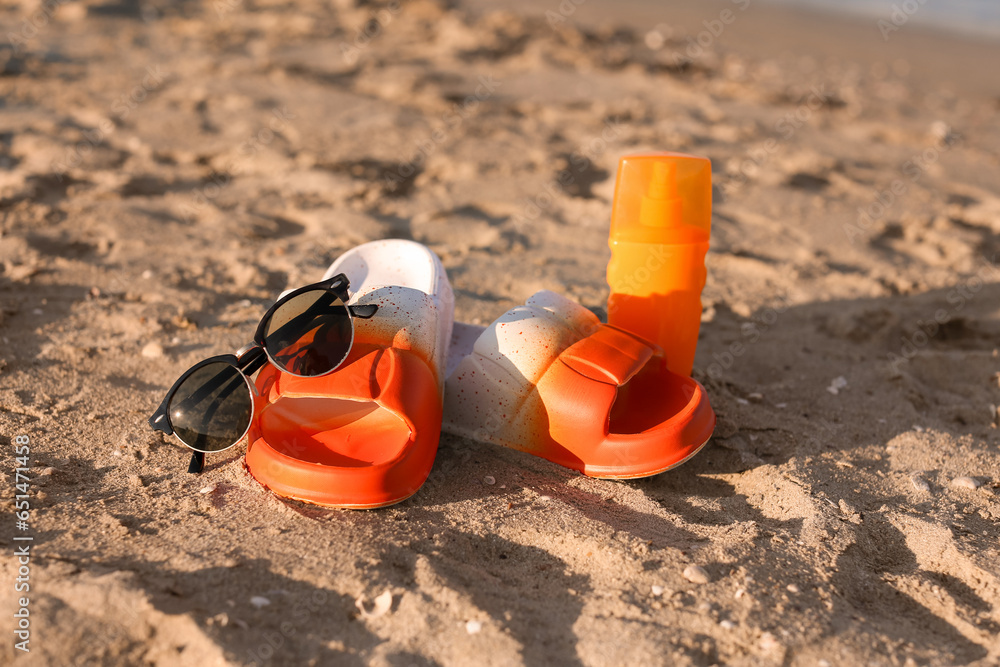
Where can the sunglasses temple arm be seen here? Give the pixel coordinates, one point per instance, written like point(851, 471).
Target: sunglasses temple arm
point(197, 463)
point(360, 311)
point(364, 312)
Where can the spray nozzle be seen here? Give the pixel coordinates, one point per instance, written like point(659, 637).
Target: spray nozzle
point(661, 205)
point(662, 198)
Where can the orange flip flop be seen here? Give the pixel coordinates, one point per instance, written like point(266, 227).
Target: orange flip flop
point(366, 435)
point(549, 379)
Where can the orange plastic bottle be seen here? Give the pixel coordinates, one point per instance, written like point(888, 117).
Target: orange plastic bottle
point(660, 225)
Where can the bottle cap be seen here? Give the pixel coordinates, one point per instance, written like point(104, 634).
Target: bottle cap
point(662, 198)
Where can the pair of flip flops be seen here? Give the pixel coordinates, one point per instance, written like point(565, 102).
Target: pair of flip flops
point(547, 378)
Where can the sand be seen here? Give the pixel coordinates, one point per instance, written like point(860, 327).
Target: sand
point(167, 169)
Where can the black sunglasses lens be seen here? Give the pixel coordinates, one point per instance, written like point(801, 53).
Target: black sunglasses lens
point(212, 408)
point(310, 334)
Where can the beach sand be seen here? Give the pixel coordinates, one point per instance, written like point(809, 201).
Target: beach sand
point(167, 169)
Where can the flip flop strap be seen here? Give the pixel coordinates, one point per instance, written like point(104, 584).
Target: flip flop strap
point(609, 355)
point(580, 388)
point(395, 379)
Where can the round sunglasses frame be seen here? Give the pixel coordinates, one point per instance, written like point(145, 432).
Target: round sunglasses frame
point(231, 360)
point(338, 285)
point(252, 357)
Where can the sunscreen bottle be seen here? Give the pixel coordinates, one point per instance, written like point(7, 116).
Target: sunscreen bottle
point(660, 225)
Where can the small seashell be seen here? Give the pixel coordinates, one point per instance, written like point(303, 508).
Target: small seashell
point(837, 384)
point(473, 627)
point(489, 480)
point(742, 401)
point(220, 619)
point(964, 482)
point(696, 574)
point(259, 601)
point(654, 40)
point(919, 483)
point(657, 590)
point(768, 642)
point(208, 489)
point(380, 606)
point(792, 588)
point(152, 350)
point(740, 592)
point(940, 130)
point(726, 624)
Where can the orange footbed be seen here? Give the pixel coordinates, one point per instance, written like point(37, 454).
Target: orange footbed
point(334, 432)
point(647, 400)
point(362, 436)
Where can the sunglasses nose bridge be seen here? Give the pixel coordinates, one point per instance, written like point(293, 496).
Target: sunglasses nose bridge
point(246, 348)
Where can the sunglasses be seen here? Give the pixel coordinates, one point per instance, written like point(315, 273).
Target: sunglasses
point(308, 333)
